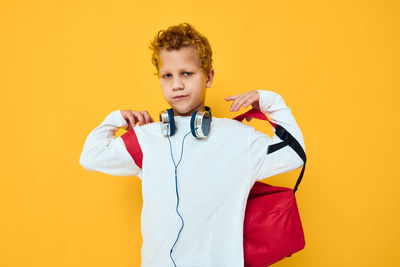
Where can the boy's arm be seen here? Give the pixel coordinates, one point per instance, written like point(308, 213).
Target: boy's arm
point(284, 159)
point(104, 153)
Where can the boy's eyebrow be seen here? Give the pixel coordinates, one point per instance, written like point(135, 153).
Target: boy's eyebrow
point(180, 70)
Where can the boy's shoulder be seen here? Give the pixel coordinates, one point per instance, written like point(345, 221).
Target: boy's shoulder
point(231, 127)
point(232, 123)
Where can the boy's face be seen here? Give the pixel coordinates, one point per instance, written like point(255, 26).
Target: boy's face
point(181, 74)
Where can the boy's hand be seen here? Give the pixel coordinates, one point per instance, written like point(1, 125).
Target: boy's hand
point(132, 117)
point(249, 98)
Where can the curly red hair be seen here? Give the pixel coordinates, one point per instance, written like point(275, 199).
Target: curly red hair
point(178, 36)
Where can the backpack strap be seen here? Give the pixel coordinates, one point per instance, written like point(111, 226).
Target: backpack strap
point(283, 134)
point(132, 145)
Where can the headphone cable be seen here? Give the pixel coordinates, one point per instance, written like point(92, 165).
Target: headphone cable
point(176, 187)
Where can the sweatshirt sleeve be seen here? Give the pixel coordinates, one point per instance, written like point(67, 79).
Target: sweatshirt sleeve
point(104, 153)
point(284, 159)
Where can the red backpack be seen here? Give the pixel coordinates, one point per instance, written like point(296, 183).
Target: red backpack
point(272, 226)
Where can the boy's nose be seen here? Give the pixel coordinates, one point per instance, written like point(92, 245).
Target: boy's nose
point(177, 85)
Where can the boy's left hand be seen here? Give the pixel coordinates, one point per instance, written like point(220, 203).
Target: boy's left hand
point(249, 98)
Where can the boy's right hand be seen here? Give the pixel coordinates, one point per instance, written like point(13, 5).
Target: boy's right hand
point(132, 117)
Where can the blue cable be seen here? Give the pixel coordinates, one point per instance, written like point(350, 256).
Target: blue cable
point(176, 187)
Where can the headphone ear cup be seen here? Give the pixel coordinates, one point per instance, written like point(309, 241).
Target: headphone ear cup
point(167, 122)
point(206, 123)
point(192, 124)
point(171, 121)
point(202, 121)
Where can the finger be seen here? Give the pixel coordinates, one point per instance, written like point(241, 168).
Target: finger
point(131, 118)
point(253, 98)
point(233, 97)
point(150, 118)
point(129, 127)
point(245, 101)
point(146, 116)
point(250, 101)
point(239, 102)
point(234, 103)
point(139, 116)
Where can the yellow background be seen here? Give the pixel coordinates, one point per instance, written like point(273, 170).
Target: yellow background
point(65, 65)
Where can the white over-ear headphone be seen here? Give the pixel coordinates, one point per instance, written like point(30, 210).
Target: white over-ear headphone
point(200, 122)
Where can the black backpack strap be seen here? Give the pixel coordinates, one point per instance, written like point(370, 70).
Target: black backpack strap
point(284, 135)
point(289, 140)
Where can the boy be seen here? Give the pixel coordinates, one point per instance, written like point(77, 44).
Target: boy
point(214, 175)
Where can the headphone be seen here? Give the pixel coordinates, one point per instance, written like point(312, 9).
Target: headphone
point(200, 125)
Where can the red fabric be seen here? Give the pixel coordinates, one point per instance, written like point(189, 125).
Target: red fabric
point(272, 226)
point(254, 114)
point(133, 147)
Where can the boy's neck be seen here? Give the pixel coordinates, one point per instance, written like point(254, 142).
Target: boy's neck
point(190, 113)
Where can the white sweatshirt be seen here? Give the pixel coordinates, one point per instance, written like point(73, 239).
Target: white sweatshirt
point(214, 178)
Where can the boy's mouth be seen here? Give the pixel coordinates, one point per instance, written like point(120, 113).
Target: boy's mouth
point(179, 97)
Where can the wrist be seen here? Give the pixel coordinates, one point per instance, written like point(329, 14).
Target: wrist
point(267, 99)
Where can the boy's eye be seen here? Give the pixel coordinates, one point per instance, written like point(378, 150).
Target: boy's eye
point(166, 75)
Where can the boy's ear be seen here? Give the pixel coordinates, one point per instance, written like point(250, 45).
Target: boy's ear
point(210, 77)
